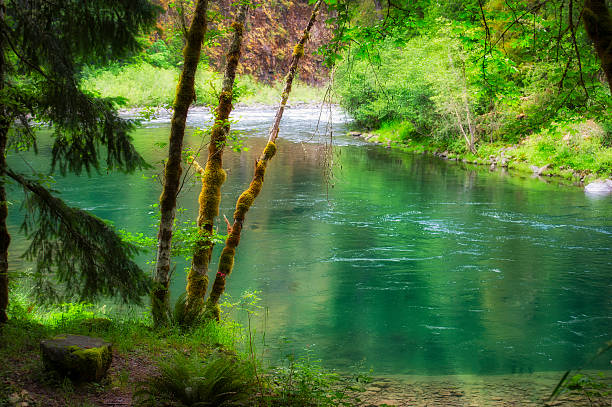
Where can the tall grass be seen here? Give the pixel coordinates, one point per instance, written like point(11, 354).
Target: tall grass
point(144, 85)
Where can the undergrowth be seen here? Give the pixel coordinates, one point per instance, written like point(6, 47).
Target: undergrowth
point(210, 364)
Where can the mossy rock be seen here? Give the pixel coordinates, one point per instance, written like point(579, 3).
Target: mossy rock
point(79, 357)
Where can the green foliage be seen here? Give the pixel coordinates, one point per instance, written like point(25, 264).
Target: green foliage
point(77, 251)
point(304, 382)
point(219, 380)
point(146, 84)
point(592, 387)
point(43, 49)
point(377, 93)
point(476, 70)
point(221, 374)
point(185, 238)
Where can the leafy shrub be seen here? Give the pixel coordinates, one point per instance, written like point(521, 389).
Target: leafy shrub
point(304, 382)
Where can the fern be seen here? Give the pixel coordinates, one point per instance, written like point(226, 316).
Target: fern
point(220, 380)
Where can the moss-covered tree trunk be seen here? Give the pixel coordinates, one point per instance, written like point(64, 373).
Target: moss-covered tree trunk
point(185, 95)
point(598, 25)
point(213, 176)
point(246, 199)
point(5, 238)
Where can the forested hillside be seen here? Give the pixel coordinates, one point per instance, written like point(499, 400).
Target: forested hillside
point(272, 29)
point(513, 83)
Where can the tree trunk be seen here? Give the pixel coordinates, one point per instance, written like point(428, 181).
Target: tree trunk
point(598, 25)
point(185, 94)
point(213, 177)
point(378, 8)
point(5, 238)
point(246, 199)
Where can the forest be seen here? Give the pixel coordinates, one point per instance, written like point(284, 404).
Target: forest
point(305, 203)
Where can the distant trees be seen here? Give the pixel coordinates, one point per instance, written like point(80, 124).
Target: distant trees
point(43, 46)
point(497, 70)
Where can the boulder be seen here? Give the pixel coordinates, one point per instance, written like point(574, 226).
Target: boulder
point(79, 357)
point(600, 187)
point(539, 170)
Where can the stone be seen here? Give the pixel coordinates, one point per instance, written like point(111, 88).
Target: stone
point(354, 133)
point(539, 170)
point(600, 187)
point(82, 358)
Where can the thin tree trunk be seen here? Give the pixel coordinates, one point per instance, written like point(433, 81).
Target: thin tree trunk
point(598, 25)
point(185, 94)
point(5, 238)
point(213, 177)
point(246, 199)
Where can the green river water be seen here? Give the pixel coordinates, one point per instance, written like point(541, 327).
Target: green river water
point(404, 263)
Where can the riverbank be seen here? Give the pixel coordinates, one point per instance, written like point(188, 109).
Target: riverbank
point(525, 390)
point(574, 155)
point(139, 354)
point(142, 356)
point(138, 351)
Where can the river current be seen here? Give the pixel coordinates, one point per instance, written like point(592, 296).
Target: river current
point(368, 256)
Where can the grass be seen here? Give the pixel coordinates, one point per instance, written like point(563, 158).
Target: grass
point(576, 150)
point(164, 364)
point(144, 85)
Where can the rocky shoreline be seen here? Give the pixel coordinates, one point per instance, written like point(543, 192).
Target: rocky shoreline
point(472, 391)
point(503, 160)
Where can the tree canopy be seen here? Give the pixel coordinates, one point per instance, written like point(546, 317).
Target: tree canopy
point(43, 47)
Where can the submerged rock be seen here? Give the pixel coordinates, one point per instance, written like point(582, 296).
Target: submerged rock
point(599, 187)
point(79, 357)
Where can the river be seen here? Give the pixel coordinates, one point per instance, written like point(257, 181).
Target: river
point(404, 263)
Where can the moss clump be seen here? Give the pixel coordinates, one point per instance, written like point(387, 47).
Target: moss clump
point(269, 151)
point(210, 195)
point(225, 96)
point(298, 50)
point(99, 357)
point(238, 26)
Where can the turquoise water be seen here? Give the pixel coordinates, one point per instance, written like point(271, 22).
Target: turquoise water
point(405, 263)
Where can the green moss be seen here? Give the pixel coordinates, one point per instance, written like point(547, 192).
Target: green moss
point(226, 261)
point(269, 151)
point(95, 356)
point(225, 96)
point(298, 51)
